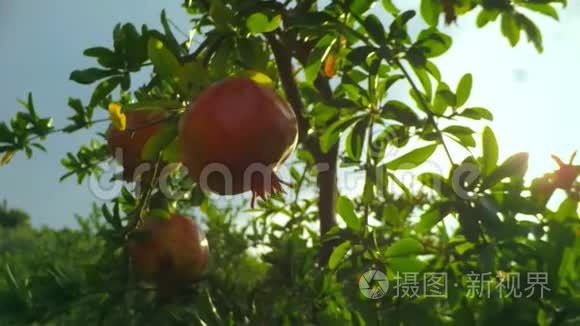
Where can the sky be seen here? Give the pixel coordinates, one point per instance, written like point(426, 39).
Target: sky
point(533, 97)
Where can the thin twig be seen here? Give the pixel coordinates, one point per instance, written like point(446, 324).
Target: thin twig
point(425, 108)
point(54, 131)
point(139, 212)
point(149, 124)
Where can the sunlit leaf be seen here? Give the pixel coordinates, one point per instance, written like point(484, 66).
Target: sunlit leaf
point(338, 254)
point(490, 151)
point(259, 23)
point(158, 142)
point(412, 159)
point(514, 166)
point(430, 10)
point(463, 90)
point(345, 208)
point(404, 247)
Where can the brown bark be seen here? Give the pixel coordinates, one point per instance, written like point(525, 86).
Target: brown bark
point(327, 201)
point(326, 161)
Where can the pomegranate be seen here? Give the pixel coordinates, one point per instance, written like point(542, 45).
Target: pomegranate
point(170, 252)
point(235, 135)
point(566, 175)
point(141, 125)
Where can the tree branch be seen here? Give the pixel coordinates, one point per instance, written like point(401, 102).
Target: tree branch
point(284, 64)
point(426, 109)
point(327, 162)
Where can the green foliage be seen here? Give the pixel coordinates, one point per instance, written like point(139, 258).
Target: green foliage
point(271, 265)
point(13, 217)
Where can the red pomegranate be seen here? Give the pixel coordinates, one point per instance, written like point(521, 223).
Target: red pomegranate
point(235, 135)
point(141, 125)
point(170, 252)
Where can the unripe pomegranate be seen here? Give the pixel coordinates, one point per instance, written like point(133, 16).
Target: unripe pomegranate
point(169, 252)
point(129, 143)
point(235, 135)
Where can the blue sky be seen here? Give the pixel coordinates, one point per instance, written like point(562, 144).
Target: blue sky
point(534, 97)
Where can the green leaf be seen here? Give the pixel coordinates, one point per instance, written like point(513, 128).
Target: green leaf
point(467, 141)
point(192, 77)
point(259, 23)
point(357, 56)
point(436, 182)
point(164, 61)
point(338, 254)
point(375, 29)
point(104, 89)
point(398, 29)
point(444, 98)
point(568, 209)
point(458, 130)
point(416, 56)
point(477, 113)
point(463, 135)
point(486, 209)
point(463, 90)
point(159, 213)
point(510, 28)
point(105, 57)
point(6, 157)
point(399, 111)
point(98, 51)
point(317, 56)
point(490, 151)
point(433, 70)
point(355, 140)
point(359, 7)
point(425, 81)
point(197, 196)
point(469, 224)
point(158, 142)
point(433, 216)
point(428, 220)
point(118, 38)
point(172, 152)
point(514, 166)
point(433, 42)
point(135, 48)
point(369, 189)
point(412, 159)
point(390, 7)
point(430, 10)
point(486, 16)
point(542, 8)
point(89, 76)
point(406, 264)
point(173, 44)
point(345, 208)
point(332, 134)
point(404, 247)
point(220, 14)
point(252, 53)
point(532, 31)
point(486, 258)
